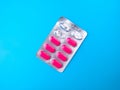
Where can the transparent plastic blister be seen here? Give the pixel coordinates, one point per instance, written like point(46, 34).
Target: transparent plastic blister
point(61, 44)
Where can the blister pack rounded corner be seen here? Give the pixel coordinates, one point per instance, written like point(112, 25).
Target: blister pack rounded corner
point(61, 44)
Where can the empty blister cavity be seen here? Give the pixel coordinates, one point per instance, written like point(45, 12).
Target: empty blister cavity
point(76, 34)
point(59, 33)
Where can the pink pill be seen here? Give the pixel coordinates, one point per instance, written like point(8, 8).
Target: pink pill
point(56, 63)
point(71, 42)
point(49, 48)
point(44, 55)
point(54, 40)
point(66, 49)
point(61, 56)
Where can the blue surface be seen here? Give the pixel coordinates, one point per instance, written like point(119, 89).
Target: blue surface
point(24, 25)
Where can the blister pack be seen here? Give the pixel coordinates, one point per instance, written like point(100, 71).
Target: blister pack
point(61, 44)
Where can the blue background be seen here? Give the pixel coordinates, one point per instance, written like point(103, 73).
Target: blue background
point(24, 25)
